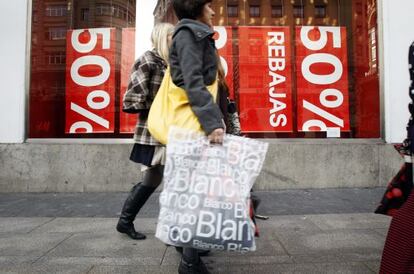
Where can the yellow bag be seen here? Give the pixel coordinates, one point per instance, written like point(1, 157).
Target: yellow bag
point(172, 108)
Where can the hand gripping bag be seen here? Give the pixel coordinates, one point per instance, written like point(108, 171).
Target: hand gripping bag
point(205, 200)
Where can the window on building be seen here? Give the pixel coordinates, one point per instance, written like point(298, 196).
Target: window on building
point(320, 11)
point(298, 11)
point(104, 10)
point(57, 33)
point(131, 18)
point(55, 58)
point(85, 14)
point(254, 11)
point(277, 11)
point(56, 10)
point(233, 10)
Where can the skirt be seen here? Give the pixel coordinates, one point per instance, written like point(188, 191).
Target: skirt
point(398, 254)
point(147, 155)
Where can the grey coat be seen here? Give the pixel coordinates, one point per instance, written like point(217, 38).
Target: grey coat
point(193, 62)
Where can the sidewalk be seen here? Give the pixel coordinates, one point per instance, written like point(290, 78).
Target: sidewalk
point(75, 233)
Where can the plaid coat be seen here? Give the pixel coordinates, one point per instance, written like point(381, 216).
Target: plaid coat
point(144, 82)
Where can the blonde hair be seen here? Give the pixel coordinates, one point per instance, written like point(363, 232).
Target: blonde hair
point(159, 39)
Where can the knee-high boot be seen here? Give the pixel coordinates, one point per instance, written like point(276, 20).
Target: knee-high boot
point(136, 199)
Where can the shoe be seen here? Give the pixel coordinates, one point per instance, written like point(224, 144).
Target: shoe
point(192, 268)
point(201, 252)
point(130, 231)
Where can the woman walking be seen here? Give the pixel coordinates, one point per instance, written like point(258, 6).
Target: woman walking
point(145, 80)
point(193, 63)
point(398, 254)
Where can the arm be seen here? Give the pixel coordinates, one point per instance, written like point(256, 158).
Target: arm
point(135, 98)
point(190, 53)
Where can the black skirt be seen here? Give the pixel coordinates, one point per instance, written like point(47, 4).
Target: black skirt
point(142, 154)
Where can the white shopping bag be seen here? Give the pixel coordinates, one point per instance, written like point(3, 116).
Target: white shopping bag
point(205, 200)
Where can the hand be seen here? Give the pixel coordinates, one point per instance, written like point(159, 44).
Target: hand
point(216, 136)
point(224, 125)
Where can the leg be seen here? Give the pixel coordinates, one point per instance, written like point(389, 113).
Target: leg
point(191, 263)
point(136, 199)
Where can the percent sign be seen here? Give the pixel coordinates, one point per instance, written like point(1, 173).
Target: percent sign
point(322, 113)
point(96, 99)
point(326, 79)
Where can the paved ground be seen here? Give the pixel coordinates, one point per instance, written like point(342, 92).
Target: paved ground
point(309, 231)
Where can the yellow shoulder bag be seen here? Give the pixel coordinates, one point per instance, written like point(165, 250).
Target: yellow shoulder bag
point(172, 108)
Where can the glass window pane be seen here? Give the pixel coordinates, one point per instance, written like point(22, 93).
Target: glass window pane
point(254, 11)
point(291, 82)
point(287, 79)
point(277, 11)
point(64, 103)
point(233, 10)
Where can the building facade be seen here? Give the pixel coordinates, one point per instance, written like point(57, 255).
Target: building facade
point(324, 82)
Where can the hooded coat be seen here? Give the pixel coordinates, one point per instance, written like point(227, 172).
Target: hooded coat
point(193, 64)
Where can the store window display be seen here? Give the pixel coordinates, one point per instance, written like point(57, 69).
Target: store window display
point(296, 69)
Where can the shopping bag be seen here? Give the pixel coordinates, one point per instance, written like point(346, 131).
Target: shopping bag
point(205, 200)
point(172, 108)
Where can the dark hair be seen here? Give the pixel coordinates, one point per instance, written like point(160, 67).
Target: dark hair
point(190, 9)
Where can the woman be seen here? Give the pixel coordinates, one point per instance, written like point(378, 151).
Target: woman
point(193, 63)
point(146, 77)
point(398, 253)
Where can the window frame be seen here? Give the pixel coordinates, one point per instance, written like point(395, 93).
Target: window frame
point(317, 12)
point(276, 8)
point(85, 11)
point(301, 8)
point(56, 10)
point(253, 9)
point(231, 8)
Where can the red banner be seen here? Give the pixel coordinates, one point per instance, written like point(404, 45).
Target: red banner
point(224, 45)
point(265, 97)
point(127, 120)
point(322, 79)
point(90, 81)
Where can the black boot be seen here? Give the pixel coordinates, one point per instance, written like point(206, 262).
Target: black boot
point(191, 263)
point(186, 267)
point(136, 199)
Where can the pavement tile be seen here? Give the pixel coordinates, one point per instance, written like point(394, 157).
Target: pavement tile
point(33, 244)
point(341, 243)
point(264, 269)
point(43, 269)
point(374, 265)
point(105, 225)
point(295, 222)
point(133, 270)
point(336, 257)
point(114, 245)
point(16, 260)
point(266, 248)
point(350, 221)
point(343, 268)
point(21, 225)
point(87, 260)
point(109, 204)
point(247, 259)
point(172, 257)
point(328, 242)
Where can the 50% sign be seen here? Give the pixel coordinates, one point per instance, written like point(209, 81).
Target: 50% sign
point(322, 79)
point(90, 81)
